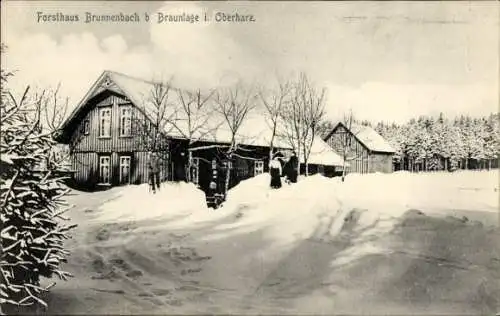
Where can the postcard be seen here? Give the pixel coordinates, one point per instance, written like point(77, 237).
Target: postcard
point(241, 157)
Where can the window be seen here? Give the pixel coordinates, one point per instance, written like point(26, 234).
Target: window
point(258, 167)
point(125, 120)
point(195, 165)
point(124, 169)
point(104, 169)
point(105, 122)
point(86, 127)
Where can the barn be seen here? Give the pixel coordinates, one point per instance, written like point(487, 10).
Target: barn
point(366, 150)
point(107, 150)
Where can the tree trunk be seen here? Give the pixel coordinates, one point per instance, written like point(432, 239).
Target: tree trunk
point(489, 164)
point(271, 149)
point(189, 165)
point(298, 158)
point(343, 165)
point(228, 174)
point(467, 163)
point(446, 164)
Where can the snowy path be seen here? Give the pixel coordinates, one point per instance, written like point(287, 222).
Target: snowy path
point(120, 271)
point(318, 259)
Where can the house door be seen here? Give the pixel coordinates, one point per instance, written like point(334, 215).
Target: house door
point(125, 169)
point(258, 167)
point(195, 171)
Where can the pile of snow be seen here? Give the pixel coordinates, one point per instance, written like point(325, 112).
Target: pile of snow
point(466, 190)
point(292, 213)
point(138, 203)
point(315, 207)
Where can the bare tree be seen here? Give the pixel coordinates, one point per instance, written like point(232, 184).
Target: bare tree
point(55, 109)
point(194, 120)
point(274, 102)
point(302, 117)
point(152, 124)
point(234, 104)
point(313, 115)
point(46, 113)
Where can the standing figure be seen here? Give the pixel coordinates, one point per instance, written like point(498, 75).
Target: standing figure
point(293, 167)
point(287, 170)
point(154, 172)
point(275, 171)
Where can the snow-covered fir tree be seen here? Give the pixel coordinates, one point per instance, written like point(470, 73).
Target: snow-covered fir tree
point(32, 191)
point(440, 143)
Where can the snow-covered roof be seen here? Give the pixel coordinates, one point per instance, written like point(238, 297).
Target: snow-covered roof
point(136, 89)
point(370, 138)
point(322, 154)
point(254, 131)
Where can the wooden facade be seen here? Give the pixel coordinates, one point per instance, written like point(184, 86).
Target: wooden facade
point(105, 134)
point(103, 156)
point(360, 157)
point(247, 162)
point(105, 150)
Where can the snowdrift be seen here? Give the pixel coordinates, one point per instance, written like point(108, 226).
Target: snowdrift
point(291, 213)
point(469, 190)
point(138, 203)
point(301, 208)
point(307, 246)
point(315, 207)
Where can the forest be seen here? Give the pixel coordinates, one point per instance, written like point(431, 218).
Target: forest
point(432, 143)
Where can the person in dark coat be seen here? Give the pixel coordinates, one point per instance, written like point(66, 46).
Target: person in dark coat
point(293, 163)
point(287, 171)
point(154, 172)
point(275, 171)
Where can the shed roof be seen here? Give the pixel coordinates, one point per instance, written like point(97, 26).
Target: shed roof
point(371, 139)
point(368, 137)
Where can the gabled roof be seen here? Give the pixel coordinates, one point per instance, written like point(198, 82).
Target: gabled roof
point(367, 136)
point(133, 88)
point(253, 132)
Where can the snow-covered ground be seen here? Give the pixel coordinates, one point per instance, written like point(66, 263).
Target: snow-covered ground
point(297, 211)
point(394, 193)
point(377, 243)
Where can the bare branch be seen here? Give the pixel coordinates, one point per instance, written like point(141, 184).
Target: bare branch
point(207, 147)
point(274, 104)
point(302, 116)
point(234, 104)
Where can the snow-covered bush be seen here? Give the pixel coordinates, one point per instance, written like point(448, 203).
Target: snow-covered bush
point(31, 192)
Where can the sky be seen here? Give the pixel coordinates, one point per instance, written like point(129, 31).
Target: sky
point(385, 61)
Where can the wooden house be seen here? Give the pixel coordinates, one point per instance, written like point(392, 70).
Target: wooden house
point(366, 150)
point(108, 149)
